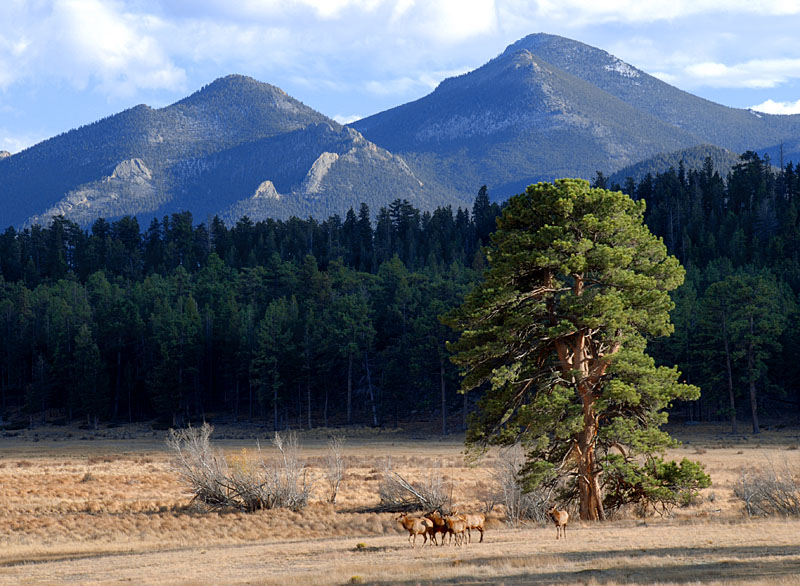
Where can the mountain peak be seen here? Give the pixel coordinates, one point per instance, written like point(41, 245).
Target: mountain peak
point(573, 56)
point(235, 85)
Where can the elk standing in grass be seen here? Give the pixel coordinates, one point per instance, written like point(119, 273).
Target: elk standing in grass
point(415, 526)
point(456, 526)
point(439, 526)
point(474, 521)
point(560, 519)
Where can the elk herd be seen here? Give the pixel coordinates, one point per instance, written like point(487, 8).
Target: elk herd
point(458, 528)
point(434, 526)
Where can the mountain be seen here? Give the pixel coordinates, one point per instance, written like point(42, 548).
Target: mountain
point(206, 153)
point(547, 107)
point(550, 107)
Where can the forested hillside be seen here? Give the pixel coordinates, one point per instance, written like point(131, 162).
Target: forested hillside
point(739, 239)
point(295, 323)
point(309, 323)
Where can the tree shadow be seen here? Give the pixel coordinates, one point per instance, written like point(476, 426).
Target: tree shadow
point(718, 564)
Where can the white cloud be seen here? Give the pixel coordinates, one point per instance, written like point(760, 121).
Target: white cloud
point(347, 119)
point(453, 21)
point(772, 107)
point(15, 143)
point(87, 43)
point(583, 12)
point(665, 77)
point(425, 81)
point(757, 73)
point(400, 85)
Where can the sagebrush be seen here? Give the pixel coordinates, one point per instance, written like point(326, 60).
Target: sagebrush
point(244, 484)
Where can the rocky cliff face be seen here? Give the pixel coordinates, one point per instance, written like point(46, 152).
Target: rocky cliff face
point(129, 190)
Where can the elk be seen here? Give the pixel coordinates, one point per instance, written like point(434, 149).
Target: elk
point(415, 526)
point(560, 519)
point(474, 521)
point(456, 526)
point(439, 526)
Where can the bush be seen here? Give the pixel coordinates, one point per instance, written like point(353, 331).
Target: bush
point(399, 495)
point(519, 504)
point(335, 467)
point(769, 492)
point(656, 485)
point(245, 486)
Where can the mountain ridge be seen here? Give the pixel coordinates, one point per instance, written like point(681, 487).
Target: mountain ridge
point(174, 144)
point(546, 107)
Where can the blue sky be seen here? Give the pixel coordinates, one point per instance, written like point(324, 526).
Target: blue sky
point(65, 63)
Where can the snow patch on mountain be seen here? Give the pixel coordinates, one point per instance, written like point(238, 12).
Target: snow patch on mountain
point(622, 68)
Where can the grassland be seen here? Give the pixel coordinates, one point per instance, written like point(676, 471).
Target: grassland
point(84, 507)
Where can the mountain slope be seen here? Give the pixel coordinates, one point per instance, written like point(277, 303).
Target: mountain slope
point(202, 153)
point(550, 107)
point(517, 120)
point(732, 128)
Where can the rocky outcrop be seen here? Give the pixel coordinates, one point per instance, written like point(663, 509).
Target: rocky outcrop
point(317, 172)
point(130, 189)
point(266, 191)
point(131, 170)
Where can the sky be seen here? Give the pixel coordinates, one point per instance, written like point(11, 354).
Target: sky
point(66, 63)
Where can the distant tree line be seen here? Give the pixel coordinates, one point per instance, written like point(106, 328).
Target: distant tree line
point(294, 323)
point(307, 322)
point(739, 239)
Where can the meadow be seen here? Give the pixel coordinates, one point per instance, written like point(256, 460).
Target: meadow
point(106, 507)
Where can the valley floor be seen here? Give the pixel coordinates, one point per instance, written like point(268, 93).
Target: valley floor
point(110, 510)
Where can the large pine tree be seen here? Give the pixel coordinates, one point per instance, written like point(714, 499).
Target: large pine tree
point(556, 333)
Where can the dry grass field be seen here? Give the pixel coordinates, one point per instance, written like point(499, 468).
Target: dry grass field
point(84, 507)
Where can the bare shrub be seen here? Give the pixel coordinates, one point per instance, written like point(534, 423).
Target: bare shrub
point(520, 506)
point(400, 495)
point(243, 485)
point(202, 467)
point(335, 469)
point(287, 480)
point(767, 492)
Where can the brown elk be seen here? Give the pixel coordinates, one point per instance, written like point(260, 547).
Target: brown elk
point(474, 521)
point(415, 526)
point(560, 519)
point(456, 526)
point(439, 526)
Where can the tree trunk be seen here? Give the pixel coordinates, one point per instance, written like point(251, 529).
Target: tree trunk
point(371, 394)
point(118, 384)
point(730, 372)
point(752, 376)
point(584, 370)
point(236, 403)
point(464, 414)
point(444, 398)
point(275, 424)
point(350, 388)
point(308, 402)
point(325, 409)
point(591, 501)
point(249, 398)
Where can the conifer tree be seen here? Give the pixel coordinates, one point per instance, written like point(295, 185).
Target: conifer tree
point(557, 334)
